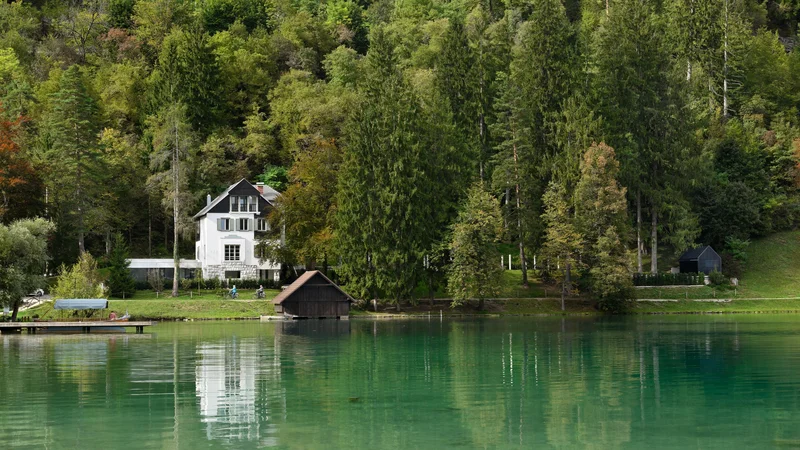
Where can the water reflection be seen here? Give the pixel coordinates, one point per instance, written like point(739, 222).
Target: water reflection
point(586, 382)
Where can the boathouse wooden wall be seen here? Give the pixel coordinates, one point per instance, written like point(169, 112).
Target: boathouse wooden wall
point(317, 297)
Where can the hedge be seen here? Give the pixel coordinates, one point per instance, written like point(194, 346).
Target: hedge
point(668, 279)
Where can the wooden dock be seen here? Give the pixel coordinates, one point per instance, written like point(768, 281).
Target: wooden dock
point(85, 327)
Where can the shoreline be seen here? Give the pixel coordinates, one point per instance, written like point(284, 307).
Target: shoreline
point(177, 310)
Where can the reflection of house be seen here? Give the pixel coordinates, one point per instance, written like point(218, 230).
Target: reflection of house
point(228, 230)
point(700, 259)
point(225, 384)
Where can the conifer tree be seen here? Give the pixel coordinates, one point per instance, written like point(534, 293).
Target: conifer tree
point(602, 218)
point(70, 151)
point(539, 81)
point(563, 240)
point(385, 185)
point(120, 281)
point(475, 271)
point(642, 108)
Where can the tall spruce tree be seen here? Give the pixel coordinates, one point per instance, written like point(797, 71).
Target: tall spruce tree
point(539, 81)
point(70, 151)
point(384, 185)
point(642, 106)
point(120, 281)
point(456, 81)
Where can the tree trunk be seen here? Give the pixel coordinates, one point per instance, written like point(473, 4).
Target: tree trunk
point(149, 229)
point(431, 290)
point(79, 194)
point(15, 311)
point(654, 242)
point(725, 105)
point(175, 216)
point(523, 264)
point(639, 246)
point(108, 243)
point(567, 287)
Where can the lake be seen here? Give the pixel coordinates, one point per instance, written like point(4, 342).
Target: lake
point(618, 382)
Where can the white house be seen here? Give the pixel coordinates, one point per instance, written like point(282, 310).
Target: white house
point(228, 229)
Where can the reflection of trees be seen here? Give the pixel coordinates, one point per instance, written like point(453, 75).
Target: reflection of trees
point(476, 372)
point(583, 383)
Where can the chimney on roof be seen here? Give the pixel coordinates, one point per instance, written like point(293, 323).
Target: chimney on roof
point(208, 199)
point(260, 187)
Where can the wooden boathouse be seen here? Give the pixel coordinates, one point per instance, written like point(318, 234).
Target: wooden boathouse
point(313, 296)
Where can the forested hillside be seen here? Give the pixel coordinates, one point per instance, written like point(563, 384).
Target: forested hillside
point(374, 118)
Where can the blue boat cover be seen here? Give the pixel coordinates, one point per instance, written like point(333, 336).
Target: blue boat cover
point(81, 303)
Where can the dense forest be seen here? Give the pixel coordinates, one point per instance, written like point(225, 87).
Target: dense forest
point(613, 134)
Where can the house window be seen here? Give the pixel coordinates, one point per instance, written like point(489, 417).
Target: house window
point(232, 252)
point(262, 225)
point(224, 224)
point(233, 274)
point(234, 204)
point(253, 203)
point(244, 225)
point(242, 203)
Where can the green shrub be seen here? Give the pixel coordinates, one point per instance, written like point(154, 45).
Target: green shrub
point(718, 279)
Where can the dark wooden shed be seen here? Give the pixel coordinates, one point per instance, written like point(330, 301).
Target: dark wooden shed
point(313, 295)
point(700, 259)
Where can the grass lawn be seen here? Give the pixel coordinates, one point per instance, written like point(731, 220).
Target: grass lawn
point(735, 306)
point(773, 267)
point(205, 305)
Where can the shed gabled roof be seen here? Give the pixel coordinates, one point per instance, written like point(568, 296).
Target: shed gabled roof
point(268, 195)
point(299, 282)
point(694, 254)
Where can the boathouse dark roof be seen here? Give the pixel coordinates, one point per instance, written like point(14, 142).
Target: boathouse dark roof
point(701, 259)
point(300, 282)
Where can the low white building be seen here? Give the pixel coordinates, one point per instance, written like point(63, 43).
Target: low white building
point(228, 230)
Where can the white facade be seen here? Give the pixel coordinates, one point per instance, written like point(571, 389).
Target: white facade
point(228, 230)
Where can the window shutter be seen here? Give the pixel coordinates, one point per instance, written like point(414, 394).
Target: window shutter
point(250, 225)
point(220, 225)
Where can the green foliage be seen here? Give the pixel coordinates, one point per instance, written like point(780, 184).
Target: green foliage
point(563, 240)
point(718, 279)
point(611, 273)
point(23, 258)
point(604, 222)
point(275, 177)
point(218, 15)
point(120, 13)
point(81, 280)
point(384, 200)
point(474, 271)
point(120, 281)
point(737, 248)
point(698, 97)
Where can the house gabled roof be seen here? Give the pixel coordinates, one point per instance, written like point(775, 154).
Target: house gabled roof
point(695, 253)
point(299, 282)
point(268, 195)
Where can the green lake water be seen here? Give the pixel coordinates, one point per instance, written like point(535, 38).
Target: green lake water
point(631, 382)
